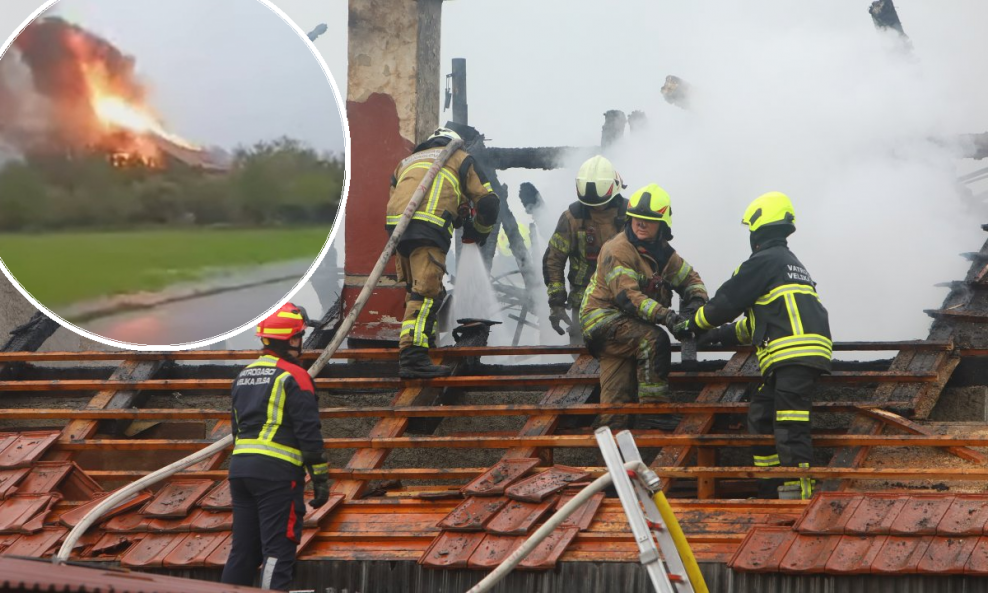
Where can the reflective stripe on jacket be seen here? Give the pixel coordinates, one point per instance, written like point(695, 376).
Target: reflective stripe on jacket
point(784, 317)
point(275, 420)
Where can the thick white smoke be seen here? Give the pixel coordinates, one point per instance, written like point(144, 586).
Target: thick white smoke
point(808, 100)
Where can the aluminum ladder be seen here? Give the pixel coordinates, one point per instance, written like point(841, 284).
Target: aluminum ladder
point(641, 499)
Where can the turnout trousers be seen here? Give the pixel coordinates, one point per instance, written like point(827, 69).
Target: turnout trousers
point(422, 272)
point(781, 407)
point(634, 365)
point(267, 526)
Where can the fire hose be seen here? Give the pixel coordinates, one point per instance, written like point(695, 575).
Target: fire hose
point(127, 492)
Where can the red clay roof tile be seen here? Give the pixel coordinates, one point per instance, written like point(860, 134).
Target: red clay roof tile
point(177, 525)
point(111, 544)
point(900, 554)
point(875, 514)
point(79, 486)
point(219, 556)
point(10, 478)
point(504, 473)
point(219, 498)
point(493, 550)
point(583, 516)
point(38, 544)
point(809, 553)
point(542, 485)
point(128, 523)
point(547, 553)
point(947, 555)
point(45, 477)
point(18, 510)
point(828, 513)
point(203, 520)
point(516, 518)
point(451, 550)
point(854, 554)
point(921, 515)
point(194, 549)
point(473, 513)
point(150, 551)
point(72, 518)
point(26, 448)
point(763, 549)
point(977, 563)
point(966, 516)
point(177, 498)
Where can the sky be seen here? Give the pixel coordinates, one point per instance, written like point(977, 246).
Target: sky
point(224, 72)
point(805, 98)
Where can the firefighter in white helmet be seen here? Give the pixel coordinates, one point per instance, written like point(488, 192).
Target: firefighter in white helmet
point(588, 223)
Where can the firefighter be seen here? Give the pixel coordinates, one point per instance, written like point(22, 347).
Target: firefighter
point(629, 297)
point(277, 437)
point(460, 196)
point(588, 223)
point(787, 322)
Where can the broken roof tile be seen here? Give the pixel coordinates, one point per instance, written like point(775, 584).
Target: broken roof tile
point(547, 553)
point(947, 555)
point(177, 525)
point(763, 549)
point(517, 517)
point(111, 544)
point(203, 520)
point(472, 514)
point(875, 514)
point(314, 516)
point(921, 515)
point(493, 550)
point(38, 544)
point(26, 448)
point(584, 514)
point(18, 510)
point(854, 554)
point(504, 473)
point(72, 518)
point(900, 554)
point(977, 563)
point(966, 516)
point(219, 556)
point(7, 539)
point(151, 550)
point(10, 478)
point(827, 513)
point(176, 498)
point(133, 522)
point(45, 477)
point(809, 553)
point(544, 484)
point(219, 498)
point(451, 550)
point(194, 549)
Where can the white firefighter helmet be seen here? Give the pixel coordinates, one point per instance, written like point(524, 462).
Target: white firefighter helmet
point(597, 183)
point(445, 133)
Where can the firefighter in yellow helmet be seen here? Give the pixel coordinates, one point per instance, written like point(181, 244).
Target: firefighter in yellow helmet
point(459, 196)
point(789, 325)
point(629, 298)
point(593, 219)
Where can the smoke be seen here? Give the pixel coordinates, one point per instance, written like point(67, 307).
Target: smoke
point(811, 102)
point(46, 81)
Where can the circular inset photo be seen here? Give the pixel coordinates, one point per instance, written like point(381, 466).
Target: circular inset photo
point(170, 171)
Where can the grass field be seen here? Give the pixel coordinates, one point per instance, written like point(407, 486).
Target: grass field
point(59, 269)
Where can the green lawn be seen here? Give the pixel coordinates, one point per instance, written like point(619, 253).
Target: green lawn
point(64, 268)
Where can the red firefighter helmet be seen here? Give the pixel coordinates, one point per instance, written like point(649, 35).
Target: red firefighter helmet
point(286, 323)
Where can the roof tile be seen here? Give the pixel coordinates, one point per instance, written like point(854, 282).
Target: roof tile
point(516, 518)
point(948, 555)
point(79, 486)
point(133, 522)
point(451, 550)
point(763, 549)
point(10, 478)
point(203, 520)
point(921, 515)
point(583, 516)
point(111, 544)
point(854, 554)
point(177, 525)
point(493, 550)
point(150, 551)
point(828, 513)
point(966, 516)
point(71, 518)
point(26, 448)
point(18, 510)
point(809, 553)
point(194, 549)
point(177, 498)
point(36, 545)
point(900, 554)
point(472, 514)
point(978, 561)
point(504, 473)
point(219, 498)
point(875, 514)
point(45, 477)
point(542, 485)
point(547, 553)
point(219, 556)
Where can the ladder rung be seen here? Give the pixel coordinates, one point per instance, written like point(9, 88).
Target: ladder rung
point(655, 526)
point(675, 578)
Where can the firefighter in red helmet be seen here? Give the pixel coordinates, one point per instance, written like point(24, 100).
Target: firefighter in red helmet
point(277, 438)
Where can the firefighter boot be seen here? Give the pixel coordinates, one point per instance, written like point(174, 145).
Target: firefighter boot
point(414, 363)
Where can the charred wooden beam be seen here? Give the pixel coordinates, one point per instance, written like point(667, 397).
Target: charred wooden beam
point(638, 122)
point(547, 158)
point(885, 17)
point(27, 338)
point(676, 91)
point(614, 123)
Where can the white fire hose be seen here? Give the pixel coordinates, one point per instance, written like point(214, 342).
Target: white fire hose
point(548, 527)
point(127, 492)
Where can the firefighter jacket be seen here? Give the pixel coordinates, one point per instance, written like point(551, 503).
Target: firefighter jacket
point(784, 317)
point(276, 425)
point(460, 183)
point(580, 234)
point(632, 281)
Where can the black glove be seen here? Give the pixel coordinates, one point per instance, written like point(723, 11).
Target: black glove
point(723, 334)
point(320, 490)
point(678, 325)
point(472, 235)
point(693, 306)
point(318, 470)
point(558, 315)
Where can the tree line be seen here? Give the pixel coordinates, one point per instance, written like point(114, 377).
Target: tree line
point(281, 182)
